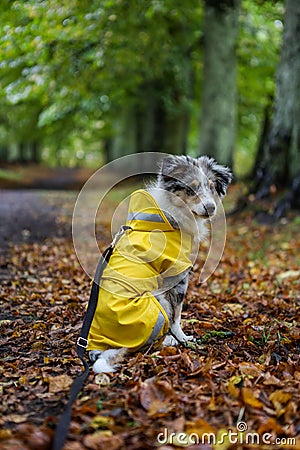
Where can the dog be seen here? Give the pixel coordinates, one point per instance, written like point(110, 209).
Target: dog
point(179, 204)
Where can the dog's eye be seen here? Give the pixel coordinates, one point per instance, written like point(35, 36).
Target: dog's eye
point(211, 185)
point(190, 192)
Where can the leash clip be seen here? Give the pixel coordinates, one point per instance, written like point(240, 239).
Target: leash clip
point(82, 344)
point(122, 230)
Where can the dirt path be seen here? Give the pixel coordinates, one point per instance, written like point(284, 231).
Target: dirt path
point(28, 216)
point(36, 202)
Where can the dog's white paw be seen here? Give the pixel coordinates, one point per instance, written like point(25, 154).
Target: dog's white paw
point(106, 360)
point(170, 341)
point(101, 365)
point(189, 338)
point(95, 354)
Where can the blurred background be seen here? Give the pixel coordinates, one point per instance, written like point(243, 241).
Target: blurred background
point(83, 83)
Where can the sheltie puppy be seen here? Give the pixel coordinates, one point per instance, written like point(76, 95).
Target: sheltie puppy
point(185, 190)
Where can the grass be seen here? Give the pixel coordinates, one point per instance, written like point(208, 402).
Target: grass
point(9, 175)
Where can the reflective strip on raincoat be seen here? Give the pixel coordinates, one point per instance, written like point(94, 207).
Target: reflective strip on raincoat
point(128, 314)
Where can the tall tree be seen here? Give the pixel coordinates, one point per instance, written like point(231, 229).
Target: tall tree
point(280, 159)
point(219, 97)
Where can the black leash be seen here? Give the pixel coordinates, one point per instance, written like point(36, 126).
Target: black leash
point(63, 424)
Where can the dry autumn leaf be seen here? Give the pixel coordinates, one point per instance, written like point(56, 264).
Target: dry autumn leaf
point(101, 422)
point(250, 399)
point(252, 370)
point(103, 440)
point(280, 396)
point(157, 396)
point(279, 399)
point(59, 383)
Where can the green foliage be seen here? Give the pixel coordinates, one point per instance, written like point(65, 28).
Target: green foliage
point(68, 68)
point(9, 175)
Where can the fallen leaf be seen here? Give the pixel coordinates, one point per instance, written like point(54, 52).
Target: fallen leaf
point(250, 399)
point(252, 370)
point(199, 427)
point(289, 274)
point(271, 380)
point(36, 439)
point(235, 309)
point(5, 434)
point(101, 422)
point(59, 383)
point(232, 389)
point(270, 424)
point(157, 396)
point(103, 440)
point(16, 418)
point(279, 398)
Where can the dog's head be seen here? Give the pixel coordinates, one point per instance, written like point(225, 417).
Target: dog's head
point(195, 181)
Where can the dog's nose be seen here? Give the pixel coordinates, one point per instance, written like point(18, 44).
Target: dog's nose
point(210, 208)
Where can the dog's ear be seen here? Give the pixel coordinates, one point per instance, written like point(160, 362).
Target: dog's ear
point(172, 165)
point(220, 175)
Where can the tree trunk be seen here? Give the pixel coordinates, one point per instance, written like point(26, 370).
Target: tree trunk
point(35, 152)
point(22, 153)
point(124, 139)
point(281, 152)
point(219, 98)
point(107, 143)
point(257, 172)
point(176, 131)
point(145, 119)
point(4, 153)
point(160, 130)
point(148, 126)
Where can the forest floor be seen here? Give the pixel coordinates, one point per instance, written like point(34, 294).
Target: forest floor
point(232, 391)
point(33, 176)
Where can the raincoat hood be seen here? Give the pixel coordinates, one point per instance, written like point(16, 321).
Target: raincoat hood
point(128, 314)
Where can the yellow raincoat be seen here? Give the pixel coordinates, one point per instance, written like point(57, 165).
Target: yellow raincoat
point(128, 314)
